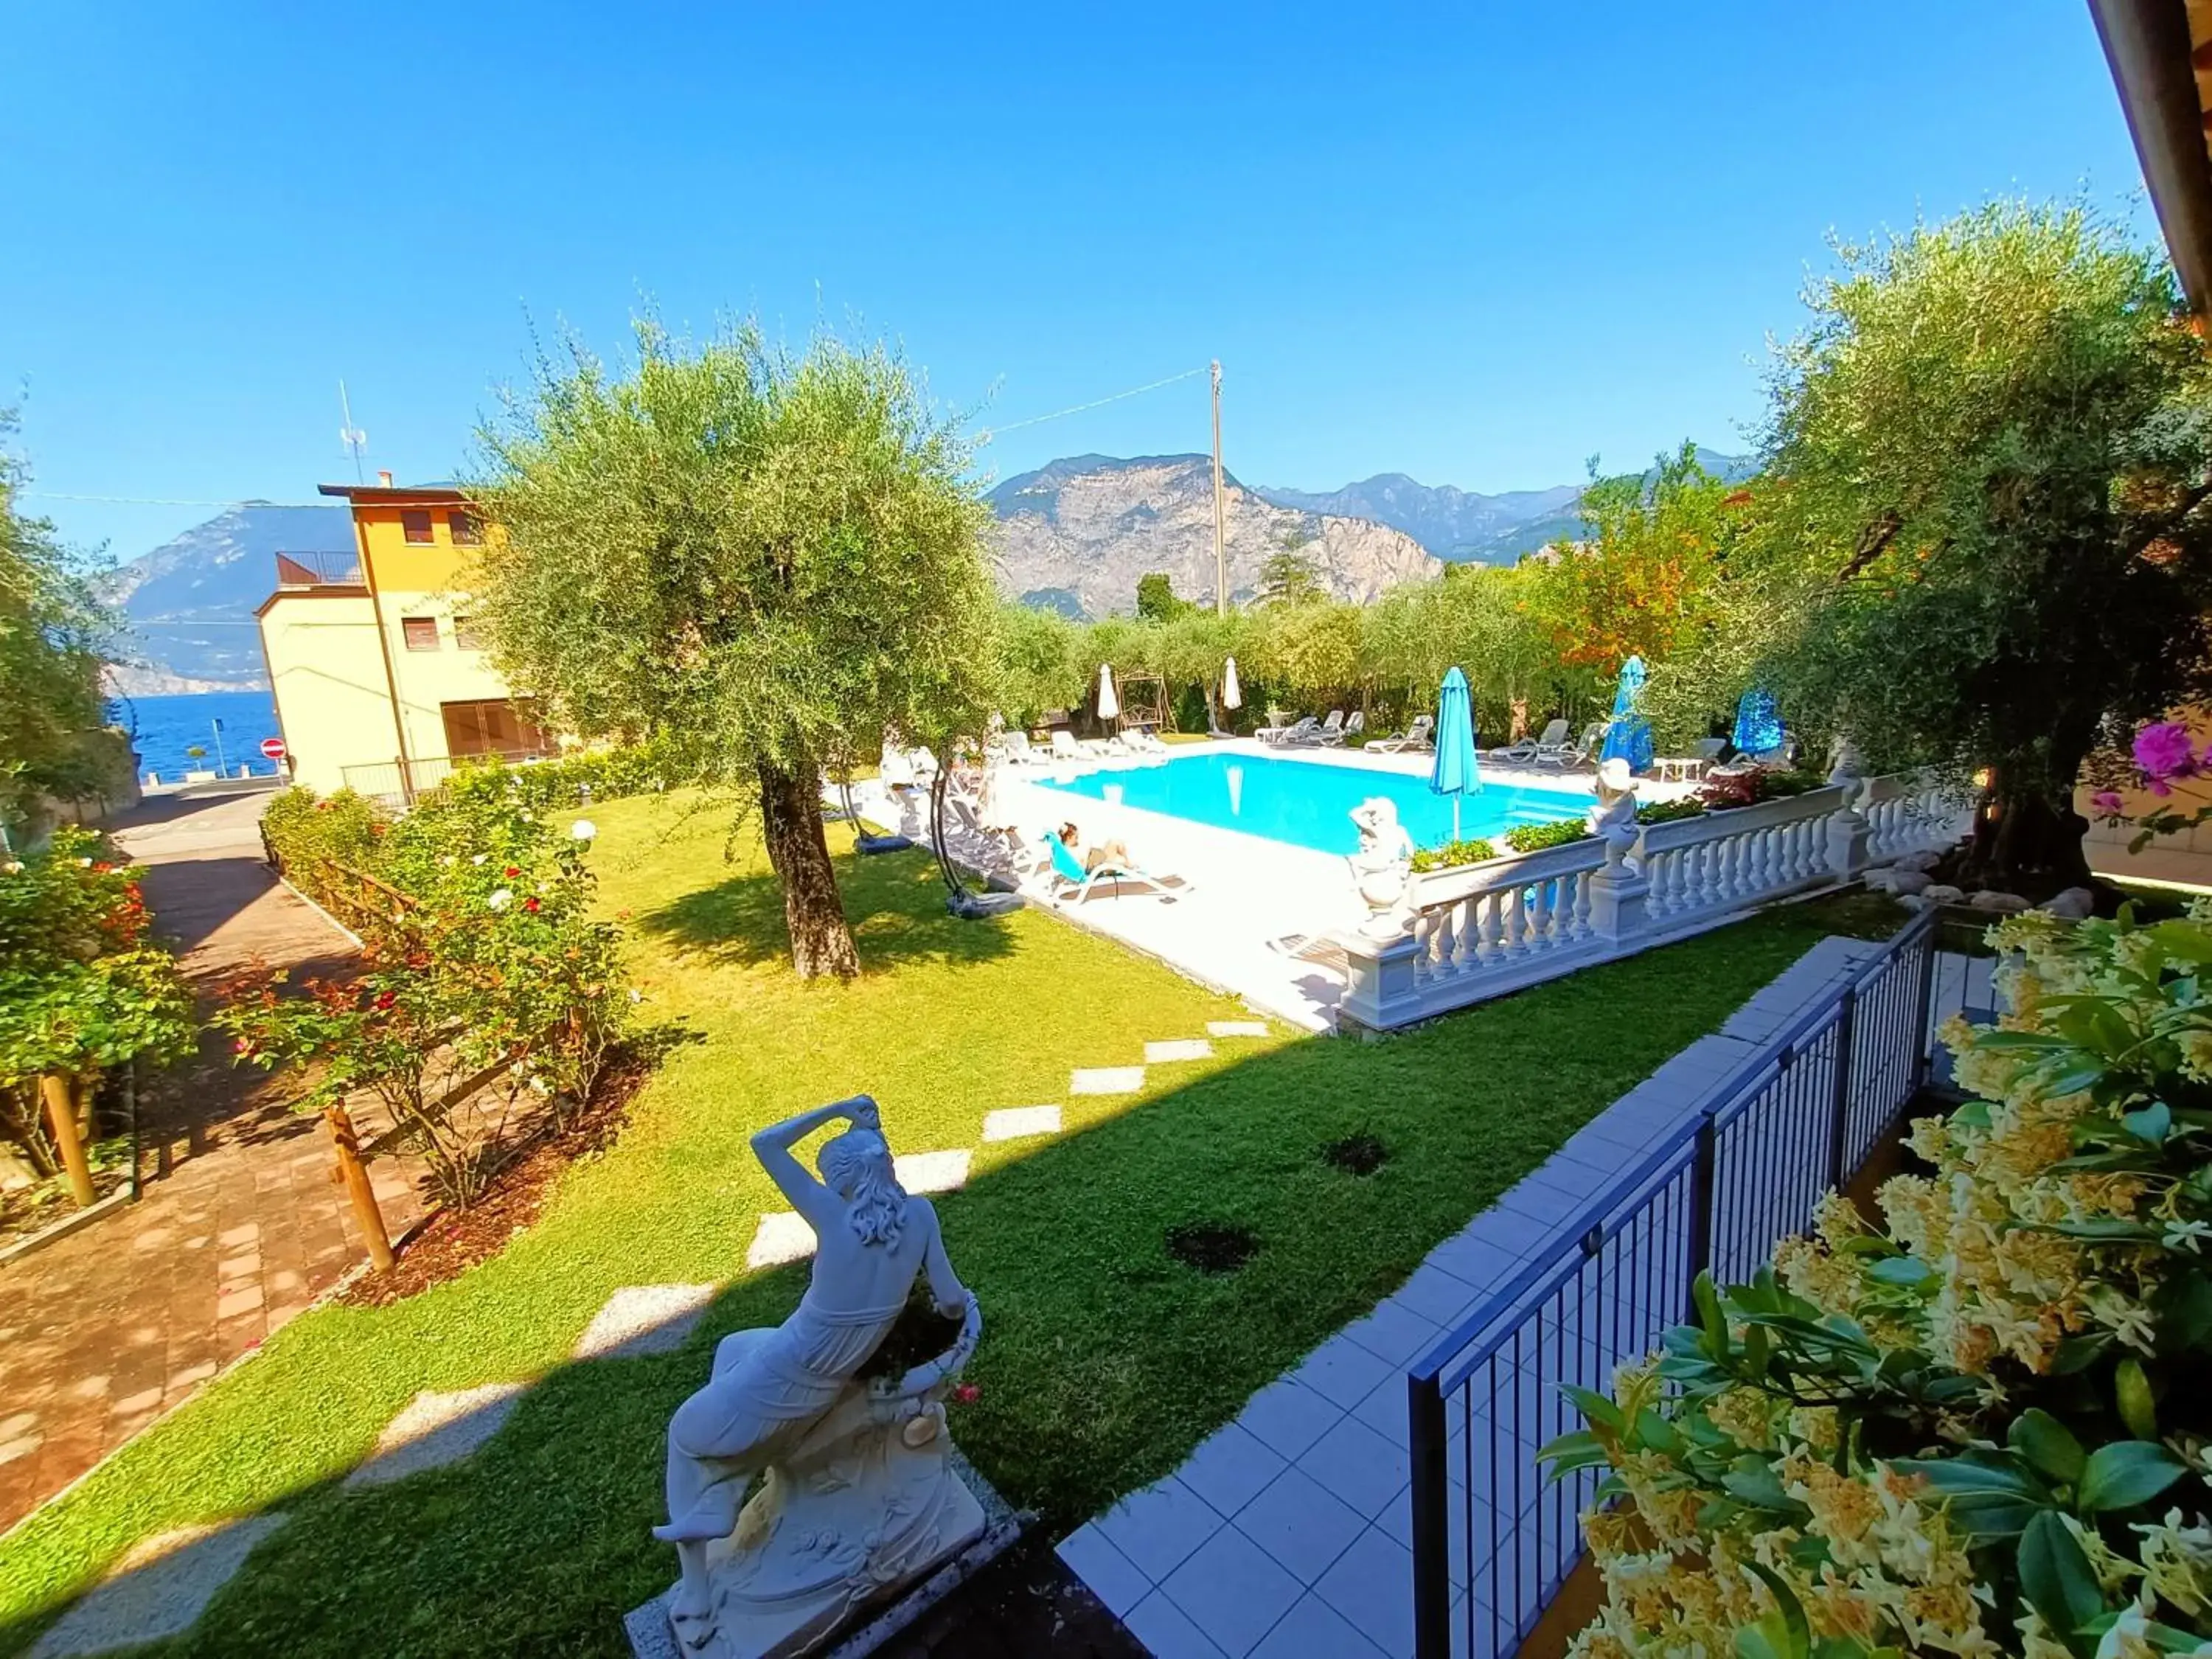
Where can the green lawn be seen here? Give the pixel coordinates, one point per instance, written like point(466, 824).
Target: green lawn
point(1104, 1360)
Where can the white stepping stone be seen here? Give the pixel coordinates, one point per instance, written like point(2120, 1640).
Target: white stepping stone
point(157, 1590)
point(1181, 1049)
point(933, 1172)
point(641, 1319)
point(783, 1236)
point(1107, 1080)
point(1019, 1122)
point(436, 1429)
point(1237, 1028)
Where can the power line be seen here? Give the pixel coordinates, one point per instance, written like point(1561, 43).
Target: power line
point(992, 432)
point(165, 501)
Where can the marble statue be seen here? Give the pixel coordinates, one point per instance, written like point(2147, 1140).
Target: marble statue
point(1612, 818)
point(1383, 868)
point(853, 1494)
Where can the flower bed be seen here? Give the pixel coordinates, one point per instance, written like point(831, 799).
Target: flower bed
point(490, 998)
point(1975, 1428)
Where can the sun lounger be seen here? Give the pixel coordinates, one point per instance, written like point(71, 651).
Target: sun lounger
point(1300, 731)
point(1020, 749)
point(1351, 727)
point(1421, 734)
point(1578, 753)
point(1553, 739)
point(1070, 877)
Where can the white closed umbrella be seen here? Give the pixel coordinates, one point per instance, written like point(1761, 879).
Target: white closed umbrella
point(1231, 695)
point(1110, 706)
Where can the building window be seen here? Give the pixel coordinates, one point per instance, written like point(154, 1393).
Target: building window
point(465, 634)
point(463, 527)
point(415, 527)
point(421, 633)
point(495, 728)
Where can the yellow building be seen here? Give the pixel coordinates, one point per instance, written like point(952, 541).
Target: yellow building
point(381, 685)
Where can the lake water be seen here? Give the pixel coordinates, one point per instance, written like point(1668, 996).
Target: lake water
point(166, 726)
point(1309, 803)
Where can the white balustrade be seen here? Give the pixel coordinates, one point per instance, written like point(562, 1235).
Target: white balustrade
point(1481, 930)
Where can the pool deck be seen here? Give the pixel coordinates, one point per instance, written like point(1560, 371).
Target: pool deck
point(1248, 895)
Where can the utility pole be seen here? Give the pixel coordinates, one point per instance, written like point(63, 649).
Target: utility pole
point(1220, 558)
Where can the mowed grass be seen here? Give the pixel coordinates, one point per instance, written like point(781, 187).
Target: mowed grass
point(1104, 1360)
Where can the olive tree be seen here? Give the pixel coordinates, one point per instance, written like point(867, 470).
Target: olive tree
point(1985, 543)
point(776, 559)
point(51, 628)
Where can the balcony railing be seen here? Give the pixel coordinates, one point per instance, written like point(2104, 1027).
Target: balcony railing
point(318, 570)
point(1484, 929)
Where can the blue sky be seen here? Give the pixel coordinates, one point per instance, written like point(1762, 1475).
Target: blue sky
point(1476, 244)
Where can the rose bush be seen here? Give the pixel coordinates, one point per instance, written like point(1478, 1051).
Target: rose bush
point(1978, 1428)
point(489, 991)
point(83, 992)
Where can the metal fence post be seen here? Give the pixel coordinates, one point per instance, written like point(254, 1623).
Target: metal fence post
point(1432, 1494)
point(1923, 1037)
point(1702, 1171)
point(1840, 1101)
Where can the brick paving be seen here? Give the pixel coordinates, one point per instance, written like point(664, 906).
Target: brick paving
point(239, 1226)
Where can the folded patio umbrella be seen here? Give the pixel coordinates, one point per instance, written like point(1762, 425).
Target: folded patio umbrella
point(1454, 771)
point(1232, 695)
point(1757, 724)
point(1110, 706)
point(1628, 734)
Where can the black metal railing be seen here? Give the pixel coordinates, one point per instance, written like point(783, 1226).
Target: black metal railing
point(1492, 1540)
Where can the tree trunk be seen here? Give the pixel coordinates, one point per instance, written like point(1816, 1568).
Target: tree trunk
point(791, 822)
point(2025, 841)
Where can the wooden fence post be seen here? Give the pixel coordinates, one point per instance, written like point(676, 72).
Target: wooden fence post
point(354, 1176)
point(61, 1118)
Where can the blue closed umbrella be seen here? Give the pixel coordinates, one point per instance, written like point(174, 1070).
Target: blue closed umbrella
point(1628, 735)
point(1757, 724)
point(1454, 771)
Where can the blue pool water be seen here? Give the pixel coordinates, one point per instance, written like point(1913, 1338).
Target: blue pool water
point(1309, 803)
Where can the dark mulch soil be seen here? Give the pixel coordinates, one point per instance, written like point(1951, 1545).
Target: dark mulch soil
point(1359, 1155)
point(1025, 1605)
point(453, 1241)
point(1211, 1247)
point(920, 1336)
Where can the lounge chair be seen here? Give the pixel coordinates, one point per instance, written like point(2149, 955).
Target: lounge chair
point(1021, 751)
point(1354, 726)
point(1068, 875)
point(1780, 758)
point(1147, 740)
point(1064, 747)
point(1554, 738)
point(1578, 753)
point(1300, 731)
point(1329, 733)
point(1421, 734)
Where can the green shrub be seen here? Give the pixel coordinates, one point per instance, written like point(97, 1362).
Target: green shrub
point(1667, 812)
point(1535, 837)
point(640, 768)
point(308, 833)
point(1453, 853)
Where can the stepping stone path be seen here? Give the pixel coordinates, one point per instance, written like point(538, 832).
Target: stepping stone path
point(642, 1319)
point(1019, 1122)
point(436, 1429)
point(161, 1588)
point(157, 1589)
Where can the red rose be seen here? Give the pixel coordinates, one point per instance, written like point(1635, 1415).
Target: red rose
point(531, 903)
point(510, 873)
point(967, 1393)
point(385, 998)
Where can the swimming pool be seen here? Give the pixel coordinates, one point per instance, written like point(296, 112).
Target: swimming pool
point(1309, 803)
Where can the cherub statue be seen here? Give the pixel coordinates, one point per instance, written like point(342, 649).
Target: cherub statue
point(783, 1402)
point(1383, 867)
point(1613, 819)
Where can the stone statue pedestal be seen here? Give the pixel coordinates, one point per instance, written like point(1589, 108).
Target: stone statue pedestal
point(872, 1622)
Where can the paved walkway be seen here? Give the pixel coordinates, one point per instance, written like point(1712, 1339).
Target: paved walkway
point(1285, 1535)
point(239, 1226)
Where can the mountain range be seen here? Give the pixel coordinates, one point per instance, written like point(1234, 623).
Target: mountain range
point(1075, 535)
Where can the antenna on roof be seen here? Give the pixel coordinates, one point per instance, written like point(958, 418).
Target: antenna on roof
point(355, 439)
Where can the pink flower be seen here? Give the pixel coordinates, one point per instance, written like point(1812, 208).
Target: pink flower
point(2164, 751)
point(2107, 803)
point(967, 1393)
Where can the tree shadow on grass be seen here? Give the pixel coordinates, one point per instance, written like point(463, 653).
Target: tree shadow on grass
point(893, 902)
